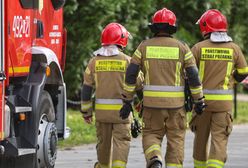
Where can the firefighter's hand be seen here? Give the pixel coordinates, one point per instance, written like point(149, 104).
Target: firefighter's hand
point(126, 109)
point(200, 106)
point(88, 119)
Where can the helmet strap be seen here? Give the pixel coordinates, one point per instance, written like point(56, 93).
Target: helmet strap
point(162, 28)
point(162, 35)
point(207, 36)
point(120, 47)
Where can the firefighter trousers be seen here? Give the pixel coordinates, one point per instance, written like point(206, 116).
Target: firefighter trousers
point(219, 125)
point(113, 144)
point(159, 123)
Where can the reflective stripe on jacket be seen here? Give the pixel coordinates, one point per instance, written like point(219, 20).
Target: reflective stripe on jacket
point(216, 63)
point(163, 61)
point(108, 104)
point(107, 75)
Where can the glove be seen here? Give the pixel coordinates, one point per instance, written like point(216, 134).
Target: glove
point(87, 118)
point(126, 109)
point(200, 106)
point(135, 128)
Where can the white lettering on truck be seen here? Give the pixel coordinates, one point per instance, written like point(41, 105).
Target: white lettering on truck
point(55, 35)
point(21, 26)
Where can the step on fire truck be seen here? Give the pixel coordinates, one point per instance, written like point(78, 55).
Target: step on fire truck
point(32, 89)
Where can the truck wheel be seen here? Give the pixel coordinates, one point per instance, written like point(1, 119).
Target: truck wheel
point(47, 134)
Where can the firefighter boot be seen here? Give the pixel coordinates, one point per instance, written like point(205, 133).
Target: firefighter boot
point(156, 164)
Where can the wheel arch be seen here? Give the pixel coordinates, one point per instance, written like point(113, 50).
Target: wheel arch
point(46, 55)
point(32, 88)
point(54, 85)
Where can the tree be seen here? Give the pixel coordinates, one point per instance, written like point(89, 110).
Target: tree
point(85, 19)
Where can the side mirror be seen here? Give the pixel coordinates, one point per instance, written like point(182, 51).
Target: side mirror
point(57, 4)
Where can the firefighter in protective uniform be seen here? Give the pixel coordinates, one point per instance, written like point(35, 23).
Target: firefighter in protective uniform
point(106, 73)
point(163, 60)
point(220, 63)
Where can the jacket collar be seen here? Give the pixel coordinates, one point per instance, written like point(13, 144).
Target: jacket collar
point(107, 51)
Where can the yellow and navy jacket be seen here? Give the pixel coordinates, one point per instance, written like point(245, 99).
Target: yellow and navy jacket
point(219, 65)
point(106, 75)
point(163, 61)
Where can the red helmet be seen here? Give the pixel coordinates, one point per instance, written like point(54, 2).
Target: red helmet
point(164, 16)
point(114, 33)
point(212, 21)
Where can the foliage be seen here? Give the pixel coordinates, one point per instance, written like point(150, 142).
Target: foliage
point(85, 19)
point(81, 133)
point(242, 115)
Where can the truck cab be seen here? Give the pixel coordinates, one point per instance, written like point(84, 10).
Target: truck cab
point(32, 88)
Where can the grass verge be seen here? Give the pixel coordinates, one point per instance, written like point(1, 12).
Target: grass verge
point(82, 133)
point(242, 113)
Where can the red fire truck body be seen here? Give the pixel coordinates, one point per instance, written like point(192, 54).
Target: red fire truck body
point(32, 89)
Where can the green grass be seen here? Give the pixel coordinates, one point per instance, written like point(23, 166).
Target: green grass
point(242, 113)
point(81, 133)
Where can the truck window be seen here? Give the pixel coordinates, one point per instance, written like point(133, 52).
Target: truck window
point(29, 4)
point(57, 4)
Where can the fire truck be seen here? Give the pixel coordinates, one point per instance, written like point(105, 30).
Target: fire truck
point(32, 88)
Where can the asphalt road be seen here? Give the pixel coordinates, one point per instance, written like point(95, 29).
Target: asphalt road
point(85, 156)
point(242, 97)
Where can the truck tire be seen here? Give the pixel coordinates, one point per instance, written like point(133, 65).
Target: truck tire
point(47, 134)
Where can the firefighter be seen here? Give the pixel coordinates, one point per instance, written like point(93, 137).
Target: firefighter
point(105, 73)
point(163, 60)
point(220, 63)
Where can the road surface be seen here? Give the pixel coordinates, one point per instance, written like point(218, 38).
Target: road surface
point(242, 97)
point(85, 156)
